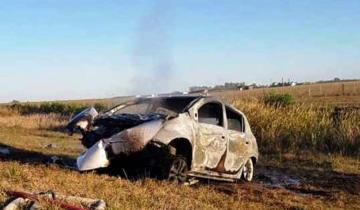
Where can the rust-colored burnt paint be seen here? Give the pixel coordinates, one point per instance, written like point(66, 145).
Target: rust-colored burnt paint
point(135, 139)
point(221, 166)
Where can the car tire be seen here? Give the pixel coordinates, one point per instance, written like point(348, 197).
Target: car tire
point(248, 171)
point(178, 170)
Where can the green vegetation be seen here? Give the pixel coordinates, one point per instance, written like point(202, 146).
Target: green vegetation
point(278, 99)
point(53, 107)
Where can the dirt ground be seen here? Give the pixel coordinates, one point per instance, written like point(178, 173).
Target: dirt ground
point(307, 183)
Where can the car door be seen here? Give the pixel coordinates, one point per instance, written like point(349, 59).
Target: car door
point(238, 144)
point(211, 140)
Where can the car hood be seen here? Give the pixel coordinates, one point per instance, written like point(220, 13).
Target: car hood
point(126, 120)
point(115, 123)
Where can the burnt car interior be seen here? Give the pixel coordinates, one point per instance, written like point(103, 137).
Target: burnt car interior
point(171, 105)
point(133, 114)
point(211, 113)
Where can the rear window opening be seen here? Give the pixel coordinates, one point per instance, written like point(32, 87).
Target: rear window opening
point(235, 120)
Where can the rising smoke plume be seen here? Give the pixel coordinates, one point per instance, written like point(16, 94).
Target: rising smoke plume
point(152, 56)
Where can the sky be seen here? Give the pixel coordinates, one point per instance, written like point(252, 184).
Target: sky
point(68, 49)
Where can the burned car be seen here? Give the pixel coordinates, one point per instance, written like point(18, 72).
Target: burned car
point(178, 136)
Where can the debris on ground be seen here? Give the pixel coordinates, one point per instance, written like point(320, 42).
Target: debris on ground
point(49, 146)
point(191, 181)
point(4, 151)
point(55, 159)
point(25, 200)
point(20, 203)
point(61, 162)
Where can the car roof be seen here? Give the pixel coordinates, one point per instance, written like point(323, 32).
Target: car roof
point(174, 97)
point(192, 98)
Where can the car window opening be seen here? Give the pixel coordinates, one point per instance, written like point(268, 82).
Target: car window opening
point(235, 120)
point(211, 113)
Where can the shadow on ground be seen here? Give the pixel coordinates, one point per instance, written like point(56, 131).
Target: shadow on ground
point(10, 153)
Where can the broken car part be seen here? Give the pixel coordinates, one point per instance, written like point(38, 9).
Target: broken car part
point(30, 200)
point(82, 120)
point(95, 157)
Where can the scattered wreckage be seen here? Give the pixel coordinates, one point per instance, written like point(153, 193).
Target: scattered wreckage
point(25, 200)
point(177, 136)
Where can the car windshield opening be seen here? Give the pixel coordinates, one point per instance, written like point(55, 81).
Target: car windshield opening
point(166, 106)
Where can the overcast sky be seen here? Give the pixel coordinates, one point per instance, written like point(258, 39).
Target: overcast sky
point(68, 49)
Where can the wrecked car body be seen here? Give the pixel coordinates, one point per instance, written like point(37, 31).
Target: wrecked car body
point(179, 136)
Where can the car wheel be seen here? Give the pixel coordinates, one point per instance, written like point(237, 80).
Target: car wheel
point(178, 170)
point(248, 171)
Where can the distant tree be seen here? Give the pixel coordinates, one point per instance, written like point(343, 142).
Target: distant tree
point(15, 102)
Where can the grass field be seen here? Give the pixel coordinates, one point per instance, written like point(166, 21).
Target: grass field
point(336, 93)
point(327, 182)
point(305, 163)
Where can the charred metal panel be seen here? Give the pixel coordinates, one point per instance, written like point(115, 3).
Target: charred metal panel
point(95, 157)
point(211, 141)
point(133, 139)
point(253, 147)
point(237, 151)
point(210, 146)
point(180, 127)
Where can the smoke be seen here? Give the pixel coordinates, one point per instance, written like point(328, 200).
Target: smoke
point(152, 56)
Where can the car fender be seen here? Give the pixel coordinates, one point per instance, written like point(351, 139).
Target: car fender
point(180, 127)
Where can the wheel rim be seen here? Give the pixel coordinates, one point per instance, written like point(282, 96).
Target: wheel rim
point(178, 171)
point(248, 170)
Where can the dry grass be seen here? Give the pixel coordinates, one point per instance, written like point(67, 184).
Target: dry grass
point(338, 93)
point(119, 193)
point(152, 194)
point(303, 127)
point(291, 129)
point(37, 121)
point(9, 118)
point(328, 181)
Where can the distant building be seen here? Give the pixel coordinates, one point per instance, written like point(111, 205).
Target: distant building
point(230, 86)
point(198, 88)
